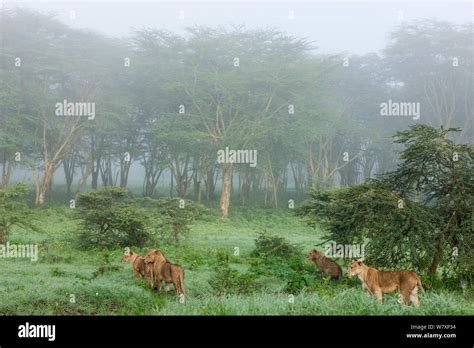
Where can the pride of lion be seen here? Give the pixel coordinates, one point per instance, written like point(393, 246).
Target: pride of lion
point(374, 282)
point(155, 268)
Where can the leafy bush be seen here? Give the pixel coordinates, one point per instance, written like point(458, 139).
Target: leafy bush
point(14, 210)
point(275, 256)
point(111, 218)
point(268, 245)
point(230, 281)
point(172, 216)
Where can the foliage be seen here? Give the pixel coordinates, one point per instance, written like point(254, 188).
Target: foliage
point(117, 294)
point(111, 218)
point(172, 216)
point(417, 215)
point(270, 245)
point(276, 256)
point(227, 280)
point(14, 211)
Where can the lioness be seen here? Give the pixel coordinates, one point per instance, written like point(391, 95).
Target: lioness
point(326, 265)
point(140, 267)
point(378, 283)
point(165, 270)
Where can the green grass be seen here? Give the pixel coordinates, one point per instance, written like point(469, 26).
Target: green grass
point(102, 284)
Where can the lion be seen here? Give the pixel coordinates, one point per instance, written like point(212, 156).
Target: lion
point(167, 271)
point(378, 283)
point(140, 267)
point(326, 265)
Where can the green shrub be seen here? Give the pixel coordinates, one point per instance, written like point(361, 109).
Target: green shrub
point(111, 218)
point(268, 245)
point(172, 216)
point(14, 210)
point(230, 281)
point(275, 256)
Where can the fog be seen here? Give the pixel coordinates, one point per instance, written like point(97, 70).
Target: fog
point(356, 26)
point(342, 68)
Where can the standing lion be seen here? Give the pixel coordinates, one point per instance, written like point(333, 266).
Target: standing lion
point(167, 271)
point(378, 283)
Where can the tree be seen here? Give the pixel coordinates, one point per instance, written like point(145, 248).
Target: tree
point(14, 211)
point(431, 62)
point(173, 215)
point(110, 218)
point(418, 215)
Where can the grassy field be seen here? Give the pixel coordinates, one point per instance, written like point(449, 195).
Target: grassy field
point(102, 284)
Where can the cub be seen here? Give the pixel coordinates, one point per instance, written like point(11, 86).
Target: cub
point(326, 265)
point(378, 282)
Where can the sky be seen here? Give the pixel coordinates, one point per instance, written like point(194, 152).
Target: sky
point(352, 27)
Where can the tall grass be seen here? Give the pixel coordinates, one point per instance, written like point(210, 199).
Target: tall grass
point(102, 284)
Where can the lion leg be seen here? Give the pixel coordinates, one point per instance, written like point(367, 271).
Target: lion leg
point(366, 289)
point(159, 282)
point(414, 297)
point(400, 298)
point(167, 286)
point(405, 292)
point(378, 295)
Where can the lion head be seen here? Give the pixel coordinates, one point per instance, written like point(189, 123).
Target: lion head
point(355, 268)
point(155, 256)
point(128, 256)
point(314, 255)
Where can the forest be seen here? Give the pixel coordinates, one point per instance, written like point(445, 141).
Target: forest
point(235, 150)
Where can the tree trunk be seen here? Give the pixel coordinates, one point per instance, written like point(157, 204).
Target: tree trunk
point(436, 258)
point(6, 173)
point(275, 184)
point(225, 194)
point(3, 235)
point(124, 171)
point(231, 182)
point(47, 177)
point(210, 187)
point(244, 189)
point(69, 166)
point(265, 189)
point(197, 187)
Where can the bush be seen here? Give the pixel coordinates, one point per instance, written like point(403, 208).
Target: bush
point(171, 216)
point(267, 245)
point(230, 281)
point(275, 256)
point(111, 218)
point(14, 210)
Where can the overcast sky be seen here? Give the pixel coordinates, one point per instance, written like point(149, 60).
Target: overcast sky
point(336, 26)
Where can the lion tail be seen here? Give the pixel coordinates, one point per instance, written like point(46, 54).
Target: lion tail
point(181, 281)
point(419, 284)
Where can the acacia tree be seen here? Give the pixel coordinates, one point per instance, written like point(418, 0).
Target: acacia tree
point(14, 211)
point(418, 215)
point(233, 83)
point(432, 62)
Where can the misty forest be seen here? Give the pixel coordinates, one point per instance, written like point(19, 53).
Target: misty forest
point(234, 150)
